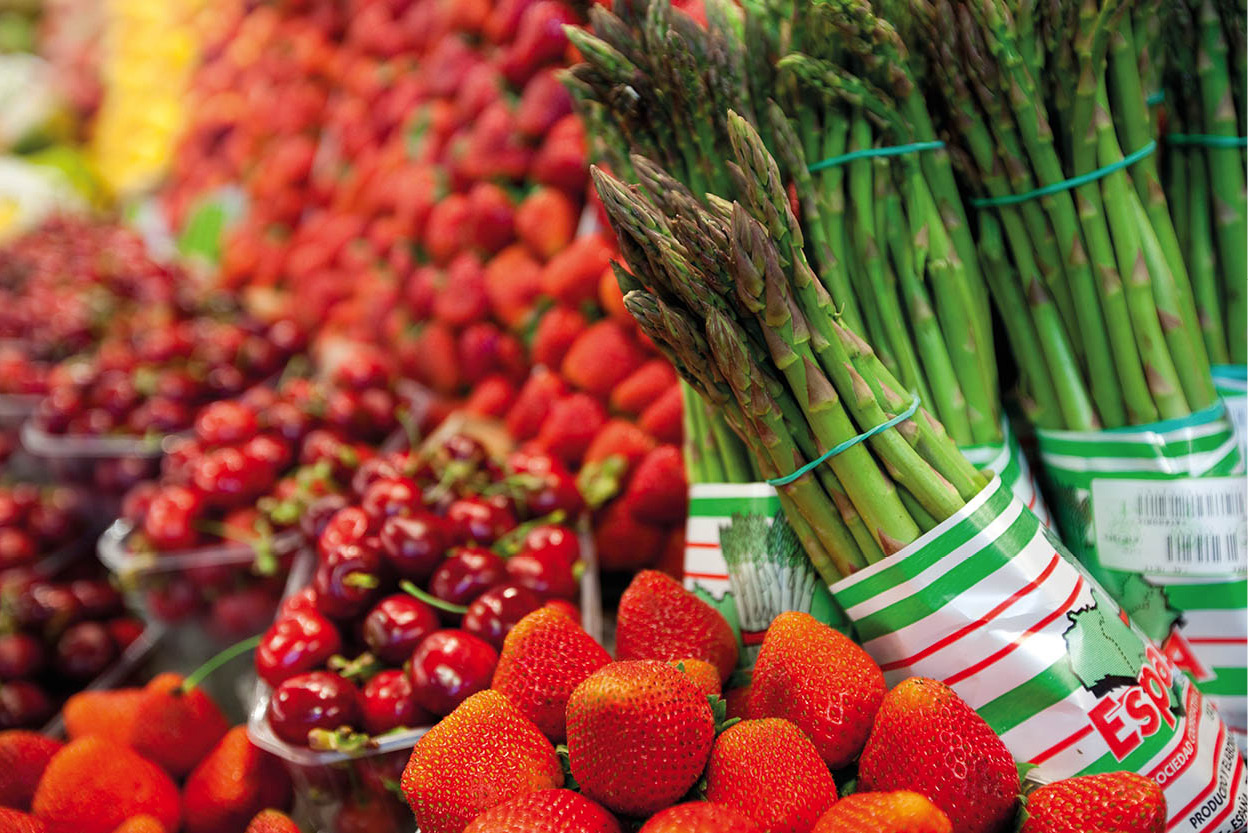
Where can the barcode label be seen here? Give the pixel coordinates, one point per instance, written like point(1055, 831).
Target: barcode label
point(1184, 527)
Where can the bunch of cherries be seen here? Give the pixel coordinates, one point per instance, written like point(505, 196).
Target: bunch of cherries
point(419, 577)
point(242, 480)
point(55, 638)
point(38, 521)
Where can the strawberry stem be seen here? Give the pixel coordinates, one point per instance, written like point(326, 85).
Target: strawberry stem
point(430, 599)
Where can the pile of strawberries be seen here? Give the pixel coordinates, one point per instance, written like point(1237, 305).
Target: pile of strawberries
point(157, 758)
point(818, 744)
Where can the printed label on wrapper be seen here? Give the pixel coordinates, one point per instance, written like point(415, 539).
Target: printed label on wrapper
point(1157, 514)
point(991, 603)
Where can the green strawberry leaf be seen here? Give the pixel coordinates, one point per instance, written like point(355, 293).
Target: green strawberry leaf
point(719, 710)
point(565, 762)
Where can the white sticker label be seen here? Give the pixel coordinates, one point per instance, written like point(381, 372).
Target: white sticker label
point(1185, 527)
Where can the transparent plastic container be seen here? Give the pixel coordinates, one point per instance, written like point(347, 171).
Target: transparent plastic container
point(325, 782)
point(109, 463)
point(206, 625)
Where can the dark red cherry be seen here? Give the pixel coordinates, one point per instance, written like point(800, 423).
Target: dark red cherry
point(395, 627)
point(478, 521)
point(313, 701)
point(388, 702)
point(495, 612)
point(299, 641)
point(449, 666)
point(23, 704)
point(414, 545)
point(84, 651)
point(466, 574)
point(347, 580)
point(391, 497)
point(21, 656)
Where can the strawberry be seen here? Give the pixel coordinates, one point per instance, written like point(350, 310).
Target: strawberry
point(698, 816)
point(93, 784)
point(660, 620)
point(492, 217)
point(662, 418)
point(177, 728)
point(546, 221)
point(704, 675)
point(545, 656)
point(447, 229)
point(571, 276)
point(620, 438)
point(436, 357)
point(20, 821)
point(890, 811)
point(110, 713)
point(553, 810)
point(926, 739)
point(639, 732)
point(482, 754)
point(672, 560)
point(23, 757)
point(767, 768)
point(544, 101)
point(491, 397)
point(801, 661)
point(141, 824)
point(738, 701)
point(234, 782)
point(1119, 801)
point(462, 298)
point(563, 159)
point(642, 387)
point(533, 403)
point(540, 40)
point(482, 349)
point(623, 542)
point(602, 356)
point(658, 492)
point(270, 821)
point(513, 282)
point(570, 427)
point(555, 333)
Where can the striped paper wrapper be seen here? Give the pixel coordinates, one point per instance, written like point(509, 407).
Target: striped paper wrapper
point(1006, 460)
point(1231, 382)
point(991, 603)
point(1157, 514)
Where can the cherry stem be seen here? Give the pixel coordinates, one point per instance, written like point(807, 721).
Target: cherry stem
point(430, 599)
point(220, 659)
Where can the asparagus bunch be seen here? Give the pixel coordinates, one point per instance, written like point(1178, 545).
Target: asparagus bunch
point(713, 453)
point(726, 291)
point(1089, 279)
point(888, 236)
point(1204, 72)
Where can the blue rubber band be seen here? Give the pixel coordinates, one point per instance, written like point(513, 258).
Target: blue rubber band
point(1205, 140)
point(841, 447)
point(1156, 98)
point(1073, 182)
point(867, 153)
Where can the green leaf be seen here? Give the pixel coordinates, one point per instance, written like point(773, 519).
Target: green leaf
point(565, 762)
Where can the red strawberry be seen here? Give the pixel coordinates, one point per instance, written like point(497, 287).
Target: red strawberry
point(233, 783)
point(623, 542)
point(93, 784)
point(19, 821)
point(639, 733)
point(570, 427)
point(571, 276)
point(491, 397)
point(462, 298)
point(176, 728)
point(563, 159)
point(604, 355)
point(556, 331)
point(660, 620)
point(533, 403)
point(447, 229)
point(272, 822)
point(513, 282)
point(658, 492)
point(767, 768)
point(492, 217)
point(623, 439)
point(545, 656)
point(553, 810)
point(698, 816)
point(482, 754)
point(1119, 801)
point(436, 357)
point(141, 824)
point(704, 675)
point(879, 812)
point(546, 221)
point(540, 40)
point(800, 663)
point(643, 387)
point(544, 101)
point(109, 713)
point(23, 757)
point(927, 739)
point(662, 419)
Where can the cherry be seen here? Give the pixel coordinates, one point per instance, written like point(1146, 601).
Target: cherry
point(302, 600)
point(449, 666)
point(463, 447)
point(11, 512)
point(159, 415)
point(557, 489)
point(348, 526)
point(175, 601)
point(271, 451)
point(241, 612)
point(289, 421)
point(117, 475)
point(176, 465)
point(21, 656)
point(44, 606)
point(346, 580)
point(17, 548)
point(387, 702)
point(414, 545)
point(115, 393)
point(553, 542)
point(317, 515)
point(395, 627)
point(224, 476)
point(225, 381)
point(84, 651)
point(390, 497)
point(477, 520)
point(22, 704)
point(312, 701)
point(124, 631)
point(467, 573)
point(98, 599)
point(375, 414)
point(50, 523)
point(549, 577)
point(171, 516)
point(372, 470)
point(494, 613)
point(364, 367)
point(322, 445)
point(297, 642)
